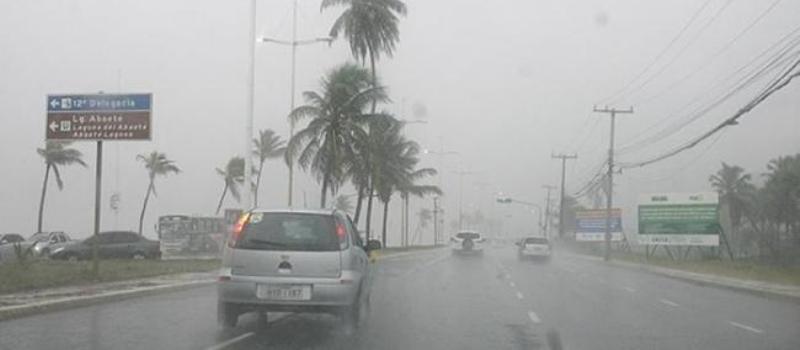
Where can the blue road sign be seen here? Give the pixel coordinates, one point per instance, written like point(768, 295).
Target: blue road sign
point(99, 102)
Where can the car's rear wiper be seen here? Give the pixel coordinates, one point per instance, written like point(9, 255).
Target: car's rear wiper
point(266, 242)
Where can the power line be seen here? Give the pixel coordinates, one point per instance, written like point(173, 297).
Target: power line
point(780, 82)
point(658, 56)
point(705, 64)
point(674, 59)
point(745, 81)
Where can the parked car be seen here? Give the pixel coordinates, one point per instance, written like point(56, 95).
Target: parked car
point(115, 244)
point(295, 261)
point(42, 243)
point(10, 238)
point(467, 242)
point(534, 247)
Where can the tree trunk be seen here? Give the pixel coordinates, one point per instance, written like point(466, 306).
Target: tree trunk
point(222, 198)
point(369, 210)
point(358, 205)
point(385, 217)
point(324, 191)
point(144, 205)
point(374, 77)
point(41, 201)
point(258, 184)
point(408, 219)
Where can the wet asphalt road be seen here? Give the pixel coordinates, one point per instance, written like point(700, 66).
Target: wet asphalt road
point(438, 301)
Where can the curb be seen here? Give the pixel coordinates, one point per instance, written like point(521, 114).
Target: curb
point(19, 311)
point(390, 256)
point(705, 279)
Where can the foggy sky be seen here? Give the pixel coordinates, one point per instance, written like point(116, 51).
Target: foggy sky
point(504, 83)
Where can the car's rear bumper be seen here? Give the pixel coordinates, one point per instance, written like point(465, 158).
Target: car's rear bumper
point(326, 293)
point(535, 253)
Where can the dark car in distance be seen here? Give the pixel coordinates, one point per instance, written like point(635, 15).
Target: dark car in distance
point(110, 245)
point(9, 238)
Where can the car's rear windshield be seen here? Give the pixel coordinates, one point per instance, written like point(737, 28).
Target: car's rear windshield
point(289, 231)
point(535, 240)
point(470, 235)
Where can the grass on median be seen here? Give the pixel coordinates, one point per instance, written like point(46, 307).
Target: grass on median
point(741, 269)
point(51, 273)
point(744, 269)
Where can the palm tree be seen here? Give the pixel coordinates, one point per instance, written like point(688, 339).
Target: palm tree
point(157, 164)
point(342, 203)
point(55, 154)
point(233, 175)
point(336, 125)
point(268, 145)
point(734, 188)
point(394, 165)
point(408, 187)
point(371, 28)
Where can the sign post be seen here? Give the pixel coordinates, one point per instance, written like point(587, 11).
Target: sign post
point(679, 219)
point(98, 117)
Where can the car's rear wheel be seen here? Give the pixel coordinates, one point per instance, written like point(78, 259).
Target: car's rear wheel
point(227, 314)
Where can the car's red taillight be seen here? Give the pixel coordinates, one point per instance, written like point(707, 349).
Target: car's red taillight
point(341, 232)
point(237, 229)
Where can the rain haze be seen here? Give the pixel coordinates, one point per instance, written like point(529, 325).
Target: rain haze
point(491, 91)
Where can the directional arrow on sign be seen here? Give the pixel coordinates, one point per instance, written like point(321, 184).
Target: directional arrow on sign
point(54, 103)
point(53, 126)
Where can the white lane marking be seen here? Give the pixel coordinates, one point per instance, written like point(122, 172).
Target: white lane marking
point(512, 284)
point(519, 295)
point(230, 342)
point(632, 290)
point(668, 302)
point(745, 327)
point(534, 318)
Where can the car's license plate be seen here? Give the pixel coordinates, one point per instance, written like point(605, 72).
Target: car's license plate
point(283, 292)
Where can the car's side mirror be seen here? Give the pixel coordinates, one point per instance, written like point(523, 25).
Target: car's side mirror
point(518, 244)
point(372, 245)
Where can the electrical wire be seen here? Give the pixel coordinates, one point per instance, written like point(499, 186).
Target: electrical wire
point(658, 56)
point(705, 64)
point(674, 59)
point(742, 83)
point(779, 83)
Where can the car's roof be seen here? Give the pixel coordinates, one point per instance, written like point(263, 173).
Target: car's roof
point(469, 231)
point(296, 211)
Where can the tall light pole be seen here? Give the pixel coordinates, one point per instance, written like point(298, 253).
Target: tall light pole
point(461, 174)
point(441, 154)
point(294, 43)
point(547, 210)
point(248, 139)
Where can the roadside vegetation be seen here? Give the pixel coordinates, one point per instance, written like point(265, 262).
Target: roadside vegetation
point(40, 274)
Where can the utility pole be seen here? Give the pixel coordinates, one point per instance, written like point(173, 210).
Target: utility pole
point(609, 199)
point(547, 211)
point(564, 159)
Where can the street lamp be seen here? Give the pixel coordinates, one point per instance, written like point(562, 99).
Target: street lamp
point(294, 43)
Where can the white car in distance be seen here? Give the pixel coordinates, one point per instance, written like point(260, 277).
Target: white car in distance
point(467, 242)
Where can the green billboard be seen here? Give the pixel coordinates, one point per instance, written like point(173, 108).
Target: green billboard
point(679, 219)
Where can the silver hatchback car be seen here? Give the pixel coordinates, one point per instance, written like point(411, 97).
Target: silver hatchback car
point(295, 261)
